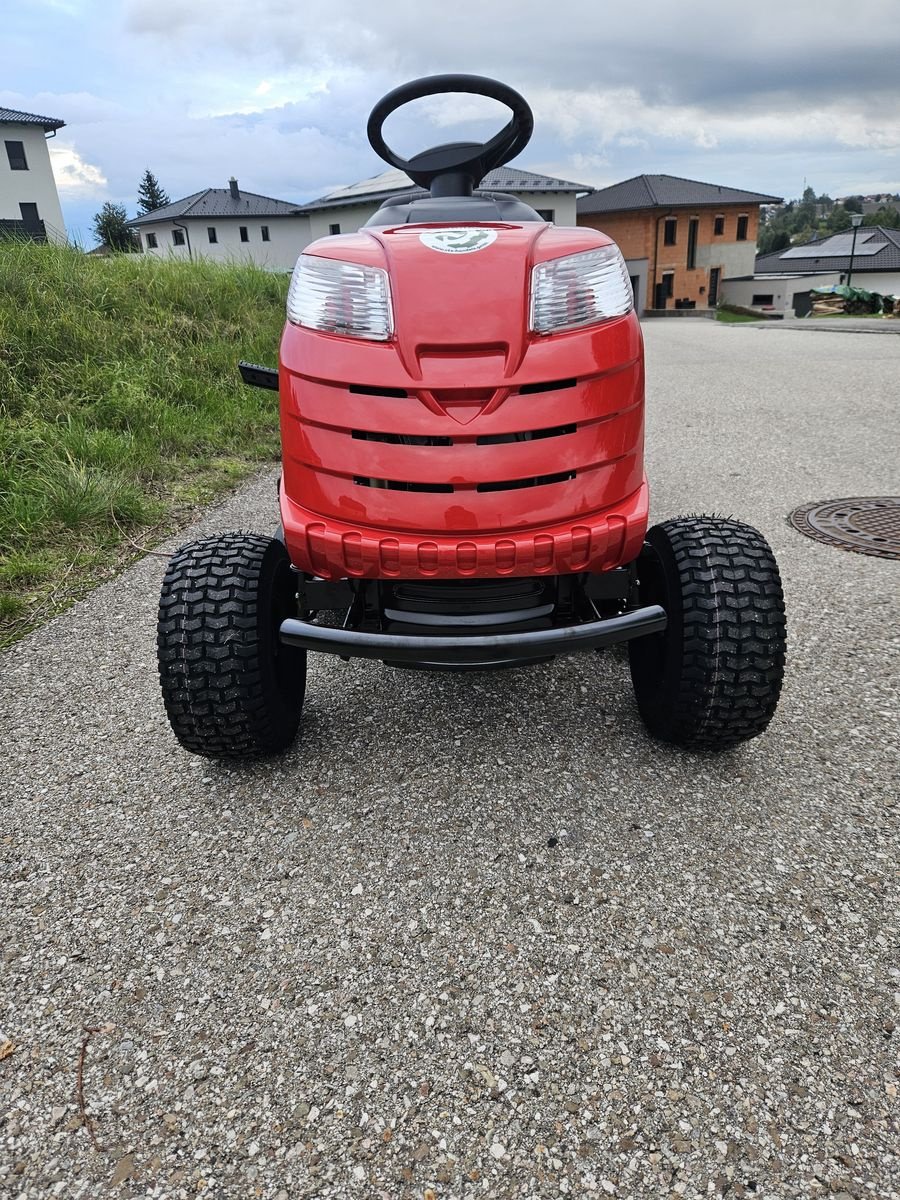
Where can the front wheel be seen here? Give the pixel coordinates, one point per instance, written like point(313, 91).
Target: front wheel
point(230, 688)
point(712, 679)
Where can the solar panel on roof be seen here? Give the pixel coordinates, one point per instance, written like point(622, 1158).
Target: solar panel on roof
point(839, 246)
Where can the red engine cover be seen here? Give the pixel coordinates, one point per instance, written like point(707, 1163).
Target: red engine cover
point(466, 446)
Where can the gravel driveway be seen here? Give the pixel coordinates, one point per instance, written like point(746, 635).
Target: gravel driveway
point(477, 935)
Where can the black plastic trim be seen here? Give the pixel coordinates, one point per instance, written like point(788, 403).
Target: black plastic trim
point(484, 649)
point(256, 376)
point(476, 620)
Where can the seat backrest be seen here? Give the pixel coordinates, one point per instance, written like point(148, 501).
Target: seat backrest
point(412, 208)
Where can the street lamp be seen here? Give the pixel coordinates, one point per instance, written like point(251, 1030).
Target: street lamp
point(855, 221)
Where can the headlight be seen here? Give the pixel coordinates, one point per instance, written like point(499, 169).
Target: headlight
point(341, 297)
point(579, 289)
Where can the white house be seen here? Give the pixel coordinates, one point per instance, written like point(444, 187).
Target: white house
point(782, 281)
point(228, 225)
point(232, 225)
point(29, 201)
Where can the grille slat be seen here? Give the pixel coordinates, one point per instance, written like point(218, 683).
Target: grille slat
point(533, 435)
point(397, 485)
point(552, 385)
point(509, 485)
point(401, 439)
point(503, 485)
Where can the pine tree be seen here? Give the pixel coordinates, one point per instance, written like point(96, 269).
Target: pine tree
point(150, 194)
point(110, 228)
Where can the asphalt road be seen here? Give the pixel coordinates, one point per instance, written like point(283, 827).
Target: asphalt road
point(477, 935)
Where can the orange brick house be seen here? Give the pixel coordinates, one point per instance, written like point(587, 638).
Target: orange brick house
point(680, 238)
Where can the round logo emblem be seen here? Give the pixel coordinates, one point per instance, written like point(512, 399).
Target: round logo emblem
point(458, 241)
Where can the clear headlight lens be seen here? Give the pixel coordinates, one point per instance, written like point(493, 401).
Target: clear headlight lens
point(580, 289)
point(341, 297)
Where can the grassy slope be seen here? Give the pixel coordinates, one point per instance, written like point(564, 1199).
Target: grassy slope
point(121, 409)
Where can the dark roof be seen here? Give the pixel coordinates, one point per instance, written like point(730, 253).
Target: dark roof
point(877, 249)
point(394, 182)
point(666, 191)
point(218, 202)
point(12, 116)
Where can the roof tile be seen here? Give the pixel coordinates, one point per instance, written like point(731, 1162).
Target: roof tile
point(12, 116)
point(666, 191)
point(218, 202)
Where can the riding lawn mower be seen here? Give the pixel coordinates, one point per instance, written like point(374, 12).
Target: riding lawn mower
point(461, 391)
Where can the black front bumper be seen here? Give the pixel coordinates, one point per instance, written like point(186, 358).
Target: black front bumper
point(478, 650)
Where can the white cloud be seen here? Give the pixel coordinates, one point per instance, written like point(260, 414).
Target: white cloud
point(75, 178)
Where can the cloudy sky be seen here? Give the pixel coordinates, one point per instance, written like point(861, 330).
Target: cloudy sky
point(763, 95)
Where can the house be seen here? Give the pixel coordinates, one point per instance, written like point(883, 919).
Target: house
point(347, 208)
point(680, 238)
point(781, 281)
point(29, 201)
point(228, 225)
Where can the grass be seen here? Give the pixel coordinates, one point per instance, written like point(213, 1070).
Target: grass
point(121, 409)
point(722, 314)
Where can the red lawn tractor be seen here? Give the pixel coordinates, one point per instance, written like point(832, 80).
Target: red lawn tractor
point(462, 416)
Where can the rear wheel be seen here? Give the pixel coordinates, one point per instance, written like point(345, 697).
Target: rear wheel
point(712, 679)
point(230, 688)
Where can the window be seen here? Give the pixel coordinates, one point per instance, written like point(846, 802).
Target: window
point(178, 237)
point(546, 214)
point(151, 241)
point(332, 229)
point(29, 214)
point(669, 283)
point(693, 229)
point(211, 233)
point(245, 236)
point(671, 229)
point(719, 226)
point(15, 152)
point(265, 233)
point(743, 221)
point(769, 298)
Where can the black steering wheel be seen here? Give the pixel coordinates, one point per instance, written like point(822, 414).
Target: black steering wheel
point(456, 168)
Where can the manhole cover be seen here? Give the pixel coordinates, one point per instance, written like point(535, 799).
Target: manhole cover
point(864, 524)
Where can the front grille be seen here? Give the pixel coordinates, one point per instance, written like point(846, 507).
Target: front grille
point(400, 439)
point(398, 485)
point(532, 435)
point(550, 385)
point(361, 389)
point(509, 485)
point(503, 485)
point(487, 439)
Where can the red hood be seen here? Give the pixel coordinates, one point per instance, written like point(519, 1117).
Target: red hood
point(489, 285)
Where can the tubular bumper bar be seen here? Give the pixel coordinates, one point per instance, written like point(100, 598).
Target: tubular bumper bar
point(453, 651)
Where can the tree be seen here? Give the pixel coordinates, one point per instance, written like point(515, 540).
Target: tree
point(110, 228)
point(150, 194)
point(771, 240)
point(853, 204)
point(888, 218)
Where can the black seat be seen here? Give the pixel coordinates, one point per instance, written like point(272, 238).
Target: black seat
point(418, 207)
